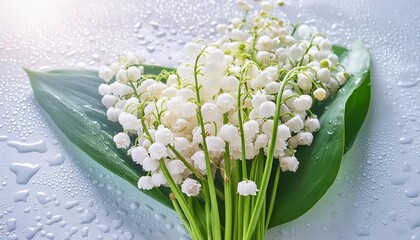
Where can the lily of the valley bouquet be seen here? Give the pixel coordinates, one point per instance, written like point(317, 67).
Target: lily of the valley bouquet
point(248, 133)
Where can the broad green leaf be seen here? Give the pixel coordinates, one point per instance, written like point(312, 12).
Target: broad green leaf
point(340, 121)
point(70, 97)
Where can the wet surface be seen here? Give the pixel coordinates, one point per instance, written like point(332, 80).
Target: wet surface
point(49, 190)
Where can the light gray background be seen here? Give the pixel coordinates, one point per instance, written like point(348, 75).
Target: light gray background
point(376, 195)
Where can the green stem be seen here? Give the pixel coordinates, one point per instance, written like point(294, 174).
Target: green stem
point(240, 219)
point(208, 213)
point(228, 190)
point(182, 217)
point(235, 180)
point(247, 211)
point(212, 188)
point(198, 208)
point(180, 198)
point(269, 162)
point(273, 197)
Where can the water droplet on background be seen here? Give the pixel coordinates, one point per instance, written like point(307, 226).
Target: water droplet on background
point(24, 171)
point(39, 146)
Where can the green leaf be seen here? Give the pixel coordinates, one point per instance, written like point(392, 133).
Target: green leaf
point(70, 97)
point(341, 120)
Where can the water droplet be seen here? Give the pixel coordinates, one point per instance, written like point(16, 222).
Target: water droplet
point(408, 84)
point(134, 205)
point(159, 216)
point(154, 24)
point(87, 217)
point(137, 25)
point(405, 140)
point(400, 179)
point(39, 146)
point(412, 192)
point(416, 236)
point(3, 138)
point(56, 161)
point(103, 228)
point(84, 231)
point(21, 196)
point(24, 171)
point(406, 167)
point(415, 202)
point(169, 226)
point(413, 219)
point(122, 212)
point(362, 231)
point(54, 219)
point(128, 235)
point(32, 231)
point(43, 198)
point(71, 204)
point(392, 216)
point(70, 233)
point(116, 224)
point(50, 235)
point(11, 224)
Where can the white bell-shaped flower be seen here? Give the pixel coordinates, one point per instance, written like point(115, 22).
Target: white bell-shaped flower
point(176, 167)
point(304, 138)
point(312, 124)
point(189, 110)
point(320, 94)
point(251, 128)
point(145, 183)
point(267, 109)
point(122, 140)
point(247, 187)
point(199, 161)
point(104, 89)
point(210, 112)
point(289, 164)
point(192, 49)
point(112, 114)
point(106, 74)
point(215, 144)
point(304, 81)
point(191, 187)
point(138, 154)
point(157, 151)
point(181, 144)
point(229, 84)
point(228, 132)
point(302, 103)
point(158, 179)
point(323, 75)
point(128, 121)
point(133, 73)
point(122, 76)
point(225, 102)
point(150, 164)
point(258, 99)
point(295, 124)
point(164, 135)
point(109, 100)
point(283, 132)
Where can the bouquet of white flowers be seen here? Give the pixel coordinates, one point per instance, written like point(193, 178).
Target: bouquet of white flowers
point(219, 130)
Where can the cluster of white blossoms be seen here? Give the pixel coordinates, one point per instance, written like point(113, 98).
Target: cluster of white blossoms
point(230, 90)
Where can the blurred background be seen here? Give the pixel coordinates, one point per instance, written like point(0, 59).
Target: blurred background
point(49, 190)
